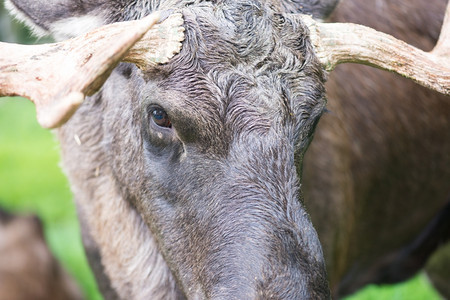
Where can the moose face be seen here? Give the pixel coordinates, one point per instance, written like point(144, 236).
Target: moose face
point(206, 149)
point(187, 175)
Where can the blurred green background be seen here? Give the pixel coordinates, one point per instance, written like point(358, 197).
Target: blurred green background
point(31, 181)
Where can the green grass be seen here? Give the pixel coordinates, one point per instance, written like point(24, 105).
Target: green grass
point(31, 181)
point(417, 288)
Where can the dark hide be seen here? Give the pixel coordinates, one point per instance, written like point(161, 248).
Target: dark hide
point(377, 172)
point(209, 208)
point(212, 207)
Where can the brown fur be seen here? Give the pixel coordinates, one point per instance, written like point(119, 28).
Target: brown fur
point(28, 269)
point(159, 227)
point(378, 170)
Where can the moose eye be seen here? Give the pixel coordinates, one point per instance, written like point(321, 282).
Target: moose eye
point(160, 117)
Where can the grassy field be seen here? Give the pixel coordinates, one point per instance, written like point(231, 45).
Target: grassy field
point(31, 182)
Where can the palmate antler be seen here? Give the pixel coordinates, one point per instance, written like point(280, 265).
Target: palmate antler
point(57, 77)
point(337, 43)
point(35, 71)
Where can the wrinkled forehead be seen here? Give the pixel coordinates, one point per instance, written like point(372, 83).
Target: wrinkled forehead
point(245, 34)
point(245, 45)
point(246, 64)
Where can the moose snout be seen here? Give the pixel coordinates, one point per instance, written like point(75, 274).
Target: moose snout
point(252, 239)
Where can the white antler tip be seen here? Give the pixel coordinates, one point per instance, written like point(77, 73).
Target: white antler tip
point(55, 115)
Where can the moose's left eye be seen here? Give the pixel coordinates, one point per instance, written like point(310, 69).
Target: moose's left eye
point(160, 117)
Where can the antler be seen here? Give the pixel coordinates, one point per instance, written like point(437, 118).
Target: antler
point(57, 77)
point(337, 43)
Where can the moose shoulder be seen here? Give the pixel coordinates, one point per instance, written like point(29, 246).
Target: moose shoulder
point(187, 174)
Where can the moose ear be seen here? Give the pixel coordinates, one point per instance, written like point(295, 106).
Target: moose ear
point(319, 9)
point(62, 19)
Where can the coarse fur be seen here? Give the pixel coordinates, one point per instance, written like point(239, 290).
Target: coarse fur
point(218, 219)
point(212, 207)
point(193, 210)
point(378, 168)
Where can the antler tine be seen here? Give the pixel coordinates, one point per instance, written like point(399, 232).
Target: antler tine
point(337, 43)
point(57, 77)
point(442, 47)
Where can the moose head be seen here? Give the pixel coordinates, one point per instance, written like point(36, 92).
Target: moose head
point(187, 171)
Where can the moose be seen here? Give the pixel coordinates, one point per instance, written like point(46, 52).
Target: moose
point(188, 161)
point(28, 270)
